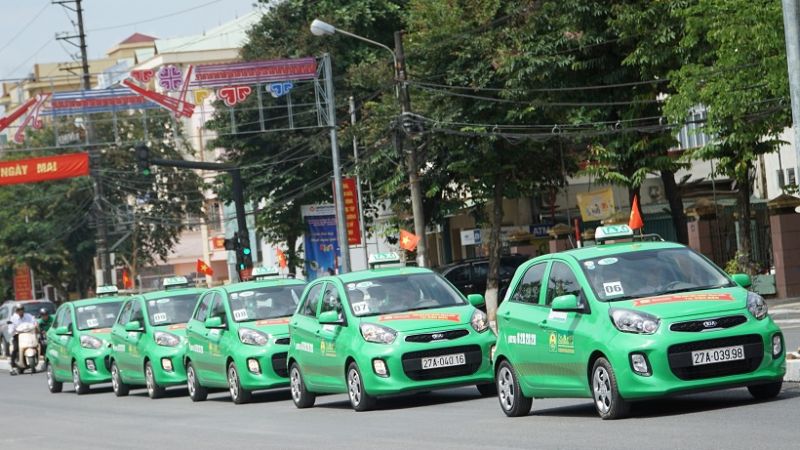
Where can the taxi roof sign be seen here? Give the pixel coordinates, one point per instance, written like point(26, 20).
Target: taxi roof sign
point(265, 272)
point(107, 290)
point(173, 282)
point(609, 232)
point(377, 259)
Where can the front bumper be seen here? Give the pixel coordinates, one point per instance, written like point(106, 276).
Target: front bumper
point(271, 361)
point(673, 372)
point(161, 361)
point(99, 359)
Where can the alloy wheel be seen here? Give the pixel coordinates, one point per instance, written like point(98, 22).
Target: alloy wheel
point(354, 387)
point(294, 384)
point(505, 385)
point(601, 384)
point(233, 382)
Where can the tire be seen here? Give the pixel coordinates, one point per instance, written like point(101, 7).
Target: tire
point(301, 397)
point(120, 388)
point(154, 391)
point(607, 400)
point(80, 387)
point(765, 391)
point(359, 399)
point(52, 385)
point(487, 389)
point(239, 395)
point(31, 362)
point(196, 392)
point(512, 401)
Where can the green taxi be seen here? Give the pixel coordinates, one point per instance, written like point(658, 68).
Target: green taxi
point(148, 339)
point(387, 331)
point(630, 320)
point(239, 336)
point(77, 349)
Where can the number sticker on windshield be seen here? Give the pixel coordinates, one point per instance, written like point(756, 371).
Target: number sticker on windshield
point(613, 289)
point(159, 317)
point(360, 307)
point(239, 314)
point(92, 322)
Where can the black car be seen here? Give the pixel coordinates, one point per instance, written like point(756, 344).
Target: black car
point(469, 275)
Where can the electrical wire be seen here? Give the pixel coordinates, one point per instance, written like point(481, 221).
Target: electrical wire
point(25, 27)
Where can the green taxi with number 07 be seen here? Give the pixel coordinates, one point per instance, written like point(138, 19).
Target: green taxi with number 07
point(387, 331)
point(630, 320)
point(148, 339)
point(239, 336)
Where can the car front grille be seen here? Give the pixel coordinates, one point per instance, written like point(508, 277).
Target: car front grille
point(695, 326)
point(680, 357)
point(282, 341)
point(279, 364)
point(412, 363)
point(437, 336)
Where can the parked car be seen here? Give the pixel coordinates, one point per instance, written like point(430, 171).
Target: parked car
point(32, 307)
point(469, 276)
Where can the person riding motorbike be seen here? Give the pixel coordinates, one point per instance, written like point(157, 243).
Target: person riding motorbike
point(45, 322)
point(18, 318)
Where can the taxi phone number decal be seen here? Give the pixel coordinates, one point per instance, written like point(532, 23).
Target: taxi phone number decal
point(280, 321)
point(683, 298)
point(421, 316)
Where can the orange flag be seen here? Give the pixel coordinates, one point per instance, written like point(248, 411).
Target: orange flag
point(127, 282)
point(204, 268)
point(408, 241)
point(635, 222)
point(281, 258)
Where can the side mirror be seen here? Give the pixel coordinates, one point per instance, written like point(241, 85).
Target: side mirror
point(63, 331)
point(330, 318)
point(742, 279)
point(476, 300)
point(565, 303)
point(134, 326)
point(8, 322)
point(214, 322)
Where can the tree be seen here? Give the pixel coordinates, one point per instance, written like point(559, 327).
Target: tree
point(734, 65)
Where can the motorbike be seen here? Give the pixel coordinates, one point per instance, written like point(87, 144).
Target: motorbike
point(28, 341)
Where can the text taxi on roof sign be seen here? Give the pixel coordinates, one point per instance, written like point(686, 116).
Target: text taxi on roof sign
point(628, 321)
point(381, 332)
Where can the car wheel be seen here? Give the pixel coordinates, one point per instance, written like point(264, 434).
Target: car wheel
point(120, 389)
point(765, 391)
point(301, 397)
point(359, 399)
point(53, 385)
point(487, 389)
point(512, 401)
point(609, 403)
point(238, 394)
point(154, 391)
point(80, 387)
point(196, 392)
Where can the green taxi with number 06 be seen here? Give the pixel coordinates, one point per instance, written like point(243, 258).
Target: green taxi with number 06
point(78, 342)
point(148, 339)
point(239, 336)
point(630, 319)
point(387, 331)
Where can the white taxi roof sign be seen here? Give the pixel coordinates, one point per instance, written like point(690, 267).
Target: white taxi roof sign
point(265, 272)
point(376, 259)
point(107, 290)
point(171, 282)
point(609, 232)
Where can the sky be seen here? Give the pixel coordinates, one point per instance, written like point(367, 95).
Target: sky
point(28, 27)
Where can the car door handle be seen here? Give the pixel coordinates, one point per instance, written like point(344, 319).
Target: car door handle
point(317, 332)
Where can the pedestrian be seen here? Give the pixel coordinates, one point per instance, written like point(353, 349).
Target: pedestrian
point(19, 317)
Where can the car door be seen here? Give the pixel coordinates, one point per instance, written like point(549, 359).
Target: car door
point(461, 277)
point(55, 345)
point(303, 329)
point(214, 361)
point(519, 321)
point(564, 367)
point(480, 271)
point(119, 336)
point(196, 335)
point(135, 344)
point(327, 340)
point(67, 341)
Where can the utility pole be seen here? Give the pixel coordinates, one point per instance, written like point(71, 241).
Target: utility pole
point(411, 153)
point(101, 239)
point(791, 27)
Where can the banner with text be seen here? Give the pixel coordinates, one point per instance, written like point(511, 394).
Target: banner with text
point(350, 192)
point(33, 170)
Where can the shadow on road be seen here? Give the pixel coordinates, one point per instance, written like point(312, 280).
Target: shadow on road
point(174, 392)
point(269, 396)
point(407, 401)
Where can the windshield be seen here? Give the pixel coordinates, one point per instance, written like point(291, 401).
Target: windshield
point(97, 316)
point(651, 272)
point(33, 308)
point(170, 310)
point(267, 302)
point(401, 293)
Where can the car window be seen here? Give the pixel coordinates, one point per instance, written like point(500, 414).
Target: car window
point(96, 316)
point(312, 300)
point(172, 309)
point(125, 313)
point(480, 271)
point(67, 319)
point(331, 300)
point(530, 286)
point(59, 317)
point(265, 302)
point(459, 274)
point(562, 281)
point(136, 313)
point(202, 307)
point(387, 294)
point(218, 308)
point(3, 313)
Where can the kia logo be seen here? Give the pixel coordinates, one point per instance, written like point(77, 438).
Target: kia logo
point(437, 336)
point(710, 323)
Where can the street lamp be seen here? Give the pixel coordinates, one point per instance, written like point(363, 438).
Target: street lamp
point(321, 28)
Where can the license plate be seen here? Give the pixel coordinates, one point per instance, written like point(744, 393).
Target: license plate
point(436, 362)
point(717, 355)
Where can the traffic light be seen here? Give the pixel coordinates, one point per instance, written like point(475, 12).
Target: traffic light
point(232, 243)
point(143, 159)
point(246, 261)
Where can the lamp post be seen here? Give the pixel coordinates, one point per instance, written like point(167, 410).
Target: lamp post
point(320, 28)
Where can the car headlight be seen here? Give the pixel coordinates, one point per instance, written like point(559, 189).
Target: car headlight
point(377, 333)
point(630, 321)
point(479, 321)
point(252, 337)
point(166, 339)
point(91, 342)
point(756, 305)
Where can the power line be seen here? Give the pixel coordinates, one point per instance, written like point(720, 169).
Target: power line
point(154, 19)
point(25, 27)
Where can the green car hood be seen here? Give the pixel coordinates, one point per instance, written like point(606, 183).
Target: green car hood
point(274, 327)
point(178, 329)
point(424, 319)
point(707, 302)
point(100, 333)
